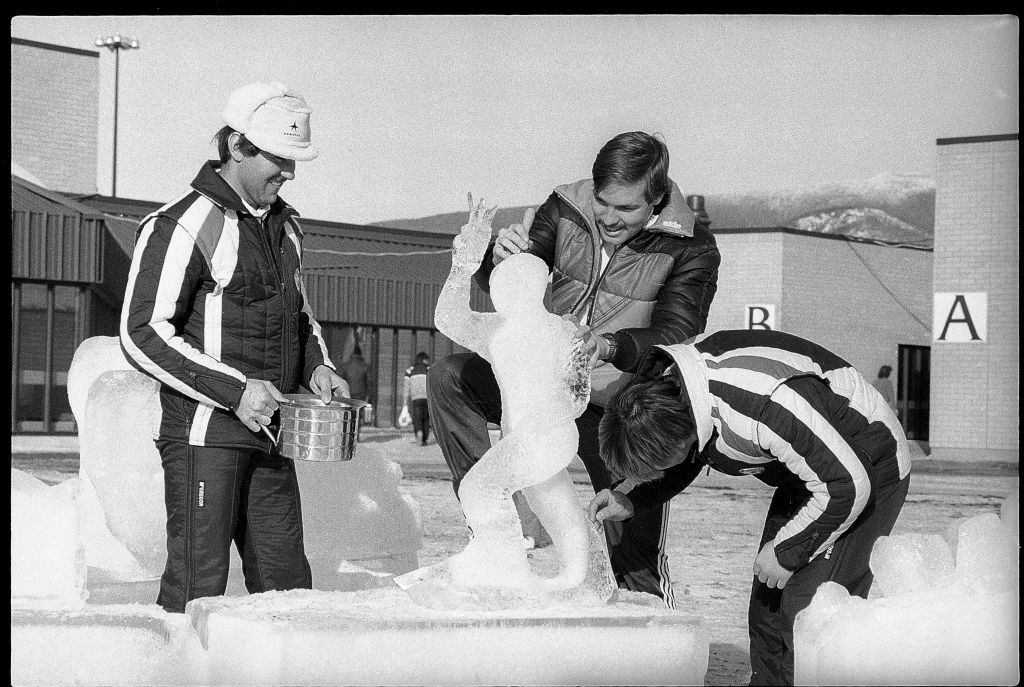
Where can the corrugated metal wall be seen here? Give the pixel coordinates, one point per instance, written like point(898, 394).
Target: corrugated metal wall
point(56, 247)
point(378, 301)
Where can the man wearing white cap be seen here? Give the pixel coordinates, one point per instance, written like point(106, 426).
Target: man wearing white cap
point(215, 310)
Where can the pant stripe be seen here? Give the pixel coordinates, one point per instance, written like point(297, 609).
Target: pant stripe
point(663, 574)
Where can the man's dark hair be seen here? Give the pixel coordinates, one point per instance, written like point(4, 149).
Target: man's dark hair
point(422, 356)
point(631, 157)
point(223, 151)
point(644, 428)
point(884, 371)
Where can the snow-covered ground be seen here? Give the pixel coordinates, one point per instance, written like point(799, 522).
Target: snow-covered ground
point(712, 537)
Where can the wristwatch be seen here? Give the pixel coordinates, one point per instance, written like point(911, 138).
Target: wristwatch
point(613, 345)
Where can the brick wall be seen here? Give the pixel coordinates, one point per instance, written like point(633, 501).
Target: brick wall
point(751, 272)
point(975, 396)
point(54, 94)
point(860, 300)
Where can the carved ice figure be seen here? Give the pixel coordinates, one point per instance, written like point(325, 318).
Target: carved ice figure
point(544, 377)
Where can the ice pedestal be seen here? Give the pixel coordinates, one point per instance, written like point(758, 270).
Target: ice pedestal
point(939, 637)
point(47, 558)
point(380, 636)
point(108, 645)
point(936, 624)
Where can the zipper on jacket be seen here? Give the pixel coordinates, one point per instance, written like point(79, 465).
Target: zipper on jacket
point(595, 267)
point(600, 278)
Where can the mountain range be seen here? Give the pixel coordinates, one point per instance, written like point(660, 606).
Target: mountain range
point(888, 208)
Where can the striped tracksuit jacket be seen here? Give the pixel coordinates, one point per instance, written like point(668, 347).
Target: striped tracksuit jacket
point(215, 296)
point(750, 421)
point(800, 418)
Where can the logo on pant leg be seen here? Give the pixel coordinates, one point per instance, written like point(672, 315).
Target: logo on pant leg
point(202, 494)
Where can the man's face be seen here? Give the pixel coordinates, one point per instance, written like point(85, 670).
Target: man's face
point(262, 175)
point(621, 212)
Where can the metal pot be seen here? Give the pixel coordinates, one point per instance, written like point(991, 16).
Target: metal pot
point(312, 430)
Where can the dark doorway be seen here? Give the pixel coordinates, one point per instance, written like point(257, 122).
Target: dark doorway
point(912, 390)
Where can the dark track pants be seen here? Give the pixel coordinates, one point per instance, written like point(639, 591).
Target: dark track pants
point(464, 396)
point(772, 612)
point(421, 418)
point(218, 495)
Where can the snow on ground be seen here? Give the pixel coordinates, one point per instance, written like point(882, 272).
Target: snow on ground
point(712, 538)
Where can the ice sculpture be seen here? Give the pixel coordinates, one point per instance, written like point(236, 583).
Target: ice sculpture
point(357, 525)
point(933, 624)
point(544, 377)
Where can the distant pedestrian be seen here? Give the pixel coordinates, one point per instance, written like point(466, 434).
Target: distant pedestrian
point(883, 385)
point(356, 372)
point(415, 395)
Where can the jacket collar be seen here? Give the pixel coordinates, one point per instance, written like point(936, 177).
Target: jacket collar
point(674, 215)
point(690, 367)
point(212, 185)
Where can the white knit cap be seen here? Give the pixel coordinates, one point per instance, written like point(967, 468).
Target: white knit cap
point(272, 116)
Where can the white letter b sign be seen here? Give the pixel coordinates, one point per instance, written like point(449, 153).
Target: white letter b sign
point(760, 316)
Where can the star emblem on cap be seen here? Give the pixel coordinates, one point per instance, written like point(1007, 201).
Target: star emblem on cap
point(294, 126)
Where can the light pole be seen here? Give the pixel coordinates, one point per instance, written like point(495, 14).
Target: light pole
point(116, 43)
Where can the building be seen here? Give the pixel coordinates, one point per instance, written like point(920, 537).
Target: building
point(54, 115)
point(866, 301)
point(71, 250)
point(975, 395)
point(944, 318)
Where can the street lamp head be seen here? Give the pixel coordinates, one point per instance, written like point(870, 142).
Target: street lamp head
point(118, 42)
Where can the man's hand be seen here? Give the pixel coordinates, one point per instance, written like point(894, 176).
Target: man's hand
point(258, 403)
point(609, 504)
point(514, 238)
point(326, 383)
point(768, 570)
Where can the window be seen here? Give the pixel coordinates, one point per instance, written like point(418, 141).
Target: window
point(46, 327)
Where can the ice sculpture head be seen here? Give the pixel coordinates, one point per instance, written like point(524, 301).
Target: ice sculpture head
point(518, 283)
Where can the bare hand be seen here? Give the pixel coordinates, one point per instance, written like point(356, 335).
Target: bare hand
point(325, 383)
point(514, 238)
point(768, 570)
point(258, 403)
point(609, 504)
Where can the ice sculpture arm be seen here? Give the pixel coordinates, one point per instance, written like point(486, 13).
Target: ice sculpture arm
point(167, 267)
point(453, 315)
point(797, 433)
point(577, 378)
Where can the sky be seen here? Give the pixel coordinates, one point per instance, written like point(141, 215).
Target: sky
point(412, 112)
